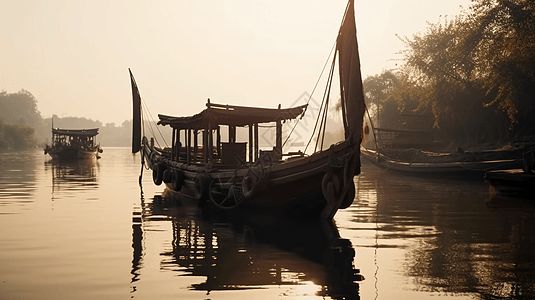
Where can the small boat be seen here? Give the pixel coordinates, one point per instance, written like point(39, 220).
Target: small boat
point(231, 173)
point(73, 144)
point(429, 162)
point(515, 182)
point(409, 146)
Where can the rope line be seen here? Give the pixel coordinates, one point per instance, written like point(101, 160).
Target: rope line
point(315, 86)
point(152, 131)
point(310, 97)
point(322, 108)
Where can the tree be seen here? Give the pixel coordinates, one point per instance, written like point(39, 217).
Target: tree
point(18, 137)
point(378, 92)
point(504, 31)
point(442, 74)
point(19, 118)
point(477, 71)
point(20, 107)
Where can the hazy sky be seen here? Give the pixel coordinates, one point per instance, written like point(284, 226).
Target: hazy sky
point(73, 56)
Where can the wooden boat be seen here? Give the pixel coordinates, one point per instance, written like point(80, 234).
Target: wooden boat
point(233, 173)
point(515, 182)
point(73, 144)
point(412, 148)
point(418, 161)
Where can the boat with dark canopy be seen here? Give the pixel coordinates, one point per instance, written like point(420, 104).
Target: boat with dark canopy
point(207, 162)
point(73, 144)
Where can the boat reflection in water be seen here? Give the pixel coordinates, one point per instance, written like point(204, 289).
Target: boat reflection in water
point(239, 250)
point(73, 174)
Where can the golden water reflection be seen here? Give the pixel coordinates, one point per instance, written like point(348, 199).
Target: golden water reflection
point(243, 251)
point(451, 237)
point(17, 179)
point(414, 238)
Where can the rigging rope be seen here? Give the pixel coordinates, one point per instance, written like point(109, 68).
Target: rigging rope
point(310, 96)
point(151, 126)
point(315, 86)
point(373, 128)
point(323, 126)
point(327, 90)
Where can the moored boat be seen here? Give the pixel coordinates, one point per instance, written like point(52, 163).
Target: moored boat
point(515, 182)
point(428, 162)
point(232, 173)
point(73, 144)
point(407, 144)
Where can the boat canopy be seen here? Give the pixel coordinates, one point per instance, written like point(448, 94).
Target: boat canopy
point(231, 115)
point(75, 132)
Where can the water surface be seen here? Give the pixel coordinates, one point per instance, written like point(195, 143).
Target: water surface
point(87, 231)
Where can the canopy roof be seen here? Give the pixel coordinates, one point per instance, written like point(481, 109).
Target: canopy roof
point(219, 114)
point(75, 132)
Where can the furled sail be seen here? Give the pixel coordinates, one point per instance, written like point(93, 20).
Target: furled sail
point(136, 118)
point(352, 103)
point(351, 90)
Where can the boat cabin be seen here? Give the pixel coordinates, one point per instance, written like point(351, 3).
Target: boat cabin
point(202, 134)
point(76, 138)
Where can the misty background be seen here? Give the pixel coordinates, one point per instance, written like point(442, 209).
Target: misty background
point(467, 80)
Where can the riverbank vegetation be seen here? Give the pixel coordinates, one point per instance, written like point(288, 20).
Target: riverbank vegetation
point(473, 75)
point(19, 117)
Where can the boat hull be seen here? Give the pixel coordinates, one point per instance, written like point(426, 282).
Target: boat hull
point(73, 154)
point(292, 188)
point(467, 167)
point(302, 200)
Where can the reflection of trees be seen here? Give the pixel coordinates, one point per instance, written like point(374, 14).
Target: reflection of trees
point(455, 243)
point(241, 250)
point(17, 176)
point(73, 175)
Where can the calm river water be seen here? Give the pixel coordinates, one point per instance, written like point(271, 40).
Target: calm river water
point(87, 231)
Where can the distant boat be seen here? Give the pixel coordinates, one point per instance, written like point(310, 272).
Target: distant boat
point(231, 173)
point(73, 144)
point(515, 182)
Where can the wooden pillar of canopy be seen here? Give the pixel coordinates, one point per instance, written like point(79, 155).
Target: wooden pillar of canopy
point(210, 144)
point(173, 145)
point(195, 145)
point(256, 149)
point(250, 143)
point(205, 145)
point(232, 134)
point(218, 141)
point(177, 145)
point(188, 147)
point(278, 137)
